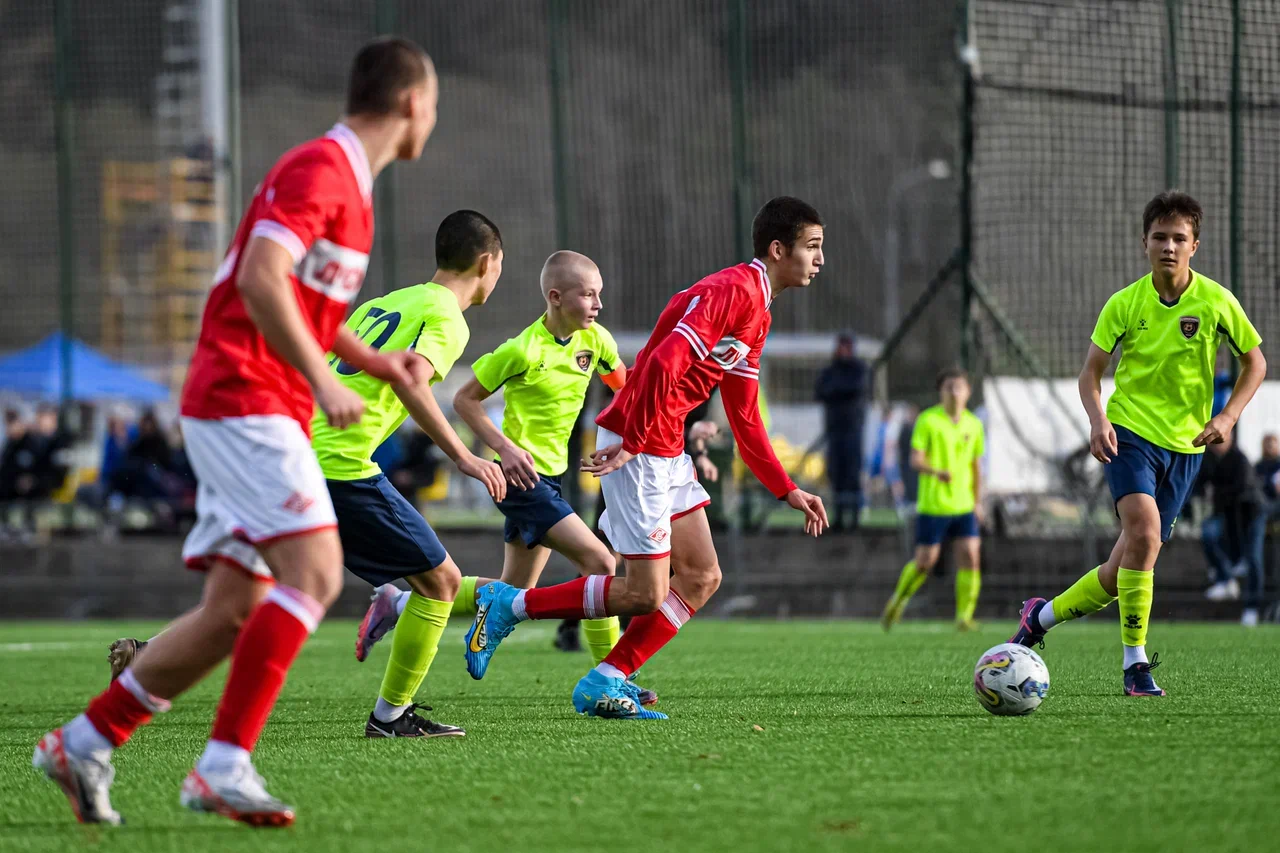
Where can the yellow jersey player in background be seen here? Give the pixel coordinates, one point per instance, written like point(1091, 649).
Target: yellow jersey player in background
point(946, 449)
point(1169, 325)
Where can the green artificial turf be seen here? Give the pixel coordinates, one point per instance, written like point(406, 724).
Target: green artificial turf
point(809, 736)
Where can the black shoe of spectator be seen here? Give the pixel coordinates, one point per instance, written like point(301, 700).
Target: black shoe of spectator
point(567, 639)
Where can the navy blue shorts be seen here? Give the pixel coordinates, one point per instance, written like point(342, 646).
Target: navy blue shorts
point(530, 514)
point(383, 537)
point(1141, 467)
point(933, 529)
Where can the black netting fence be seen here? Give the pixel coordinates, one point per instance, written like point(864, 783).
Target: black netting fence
point(1084, 111)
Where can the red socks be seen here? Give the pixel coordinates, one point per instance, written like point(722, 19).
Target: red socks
point(649, 633)
point(118, 711)
point(264, 651)
point(581, 598)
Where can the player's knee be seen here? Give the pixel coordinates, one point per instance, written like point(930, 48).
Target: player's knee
point(1144, 544)
point(700, 585)
point(441, 583)
point(599, 564)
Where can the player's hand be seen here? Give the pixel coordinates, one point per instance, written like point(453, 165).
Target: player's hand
point(518, 467)
point(815, 514)
point(342, 407)
point(707, 469)
point(488, 473)
point(703, 431)
point(943, 476)
point(606, 460)
point(980, 515)
point(1215, 431)
point(400, 367)
point(1102, 441)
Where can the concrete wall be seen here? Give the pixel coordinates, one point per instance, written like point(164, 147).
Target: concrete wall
point(765, 575)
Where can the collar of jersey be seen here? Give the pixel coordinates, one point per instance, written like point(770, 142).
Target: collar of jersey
point(546, 333)
point(356, 156)
point(1174, 304)
point(758, 265)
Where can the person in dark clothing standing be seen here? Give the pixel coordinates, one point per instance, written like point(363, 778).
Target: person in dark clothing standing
point(841, 388)
point(1239, 519)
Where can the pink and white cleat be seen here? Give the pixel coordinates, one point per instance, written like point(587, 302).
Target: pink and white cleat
point(238, 794)
point(378, 620)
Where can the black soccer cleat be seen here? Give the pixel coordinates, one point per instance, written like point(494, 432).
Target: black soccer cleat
point(409, 724)
point(567, 639)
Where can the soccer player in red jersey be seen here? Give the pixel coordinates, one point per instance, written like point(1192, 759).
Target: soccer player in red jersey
point(265, 536)
point(711, 334)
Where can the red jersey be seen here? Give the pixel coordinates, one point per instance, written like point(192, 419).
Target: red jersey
point(317, 203)
point(711, 334)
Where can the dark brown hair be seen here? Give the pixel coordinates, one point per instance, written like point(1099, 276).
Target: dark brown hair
point(383, 69)
point(781, 219)
point(951, 373)
point(1173, 205)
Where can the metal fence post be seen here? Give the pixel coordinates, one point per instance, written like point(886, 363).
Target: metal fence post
point(1237, 157)
point(1172, 8)
point(385, 20)
point(235, 176)
point(64, 132)
point(969, 62)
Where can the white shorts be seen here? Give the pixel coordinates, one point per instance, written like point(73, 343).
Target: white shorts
point(258, 482)
point(643, 497)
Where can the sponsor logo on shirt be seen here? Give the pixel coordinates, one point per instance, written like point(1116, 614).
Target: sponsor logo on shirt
point(333, 270)
point(583, 359)
point(1189, 326)
point(729, 351)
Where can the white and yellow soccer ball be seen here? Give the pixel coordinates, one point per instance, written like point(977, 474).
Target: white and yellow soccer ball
point(1010, 680)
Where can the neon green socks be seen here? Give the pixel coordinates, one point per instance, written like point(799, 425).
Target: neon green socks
point(908, 583)
point(968, 582)
point(465, 603)
point(601, 636)
point(413, 647)
point(1135, 592)
point(1083, 597)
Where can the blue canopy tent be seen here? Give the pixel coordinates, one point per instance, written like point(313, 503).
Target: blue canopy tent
point(37, 371)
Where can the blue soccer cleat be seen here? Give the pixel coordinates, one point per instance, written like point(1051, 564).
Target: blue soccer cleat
point(613, 698)
point(494, 621)
point(1138, 680)
point(1029, 632)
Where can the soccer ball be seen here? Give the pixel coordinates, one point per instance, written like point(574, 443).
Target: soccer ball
point(1010, 680)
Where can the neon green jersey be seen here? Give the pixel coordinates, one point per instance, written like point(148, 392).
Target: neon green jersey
point(948, 446)
point(1164, 382)
point(544, 382)
point(424, 318)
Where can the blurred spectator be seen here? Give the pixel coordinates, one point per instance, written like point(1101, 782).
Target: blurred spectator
point(841, 388)
point(414, 467)
point(1268, 471)
point(904, 492)
point(1233, 535)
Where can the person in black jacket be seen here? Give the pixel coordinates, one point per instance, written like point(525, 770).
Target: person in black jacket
point(841, 388)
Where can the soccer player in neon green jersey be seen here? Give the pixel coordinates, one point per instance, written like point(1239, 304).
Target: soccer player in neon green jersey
point(947, 444)
point(383, 537)
point(1168, 325)
point(544, 373)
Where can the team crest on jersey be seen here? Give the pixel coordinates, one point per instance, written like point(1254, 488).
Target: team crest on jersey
point(658, 535)
point(1189, 326)
point(583, 359)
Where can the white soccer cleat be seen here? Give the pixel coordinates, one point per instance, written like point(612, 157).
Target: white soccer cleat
point(238, 794)
point(1249, 618)
point(84, 780)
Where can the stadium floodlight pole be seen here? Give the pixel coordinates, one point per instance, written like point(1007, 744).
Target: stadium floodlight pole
point(935, 170)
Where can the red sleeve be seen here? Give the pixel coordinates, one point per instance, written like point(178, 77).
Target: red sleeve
point(704, 322)
point(740, 391)
point(299, 202)
point(663, 369)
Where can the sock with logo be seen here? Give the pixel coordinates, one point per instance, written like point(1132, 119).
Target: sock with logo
point(413, 648)
point(1083, 597)
point(1134, 590)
